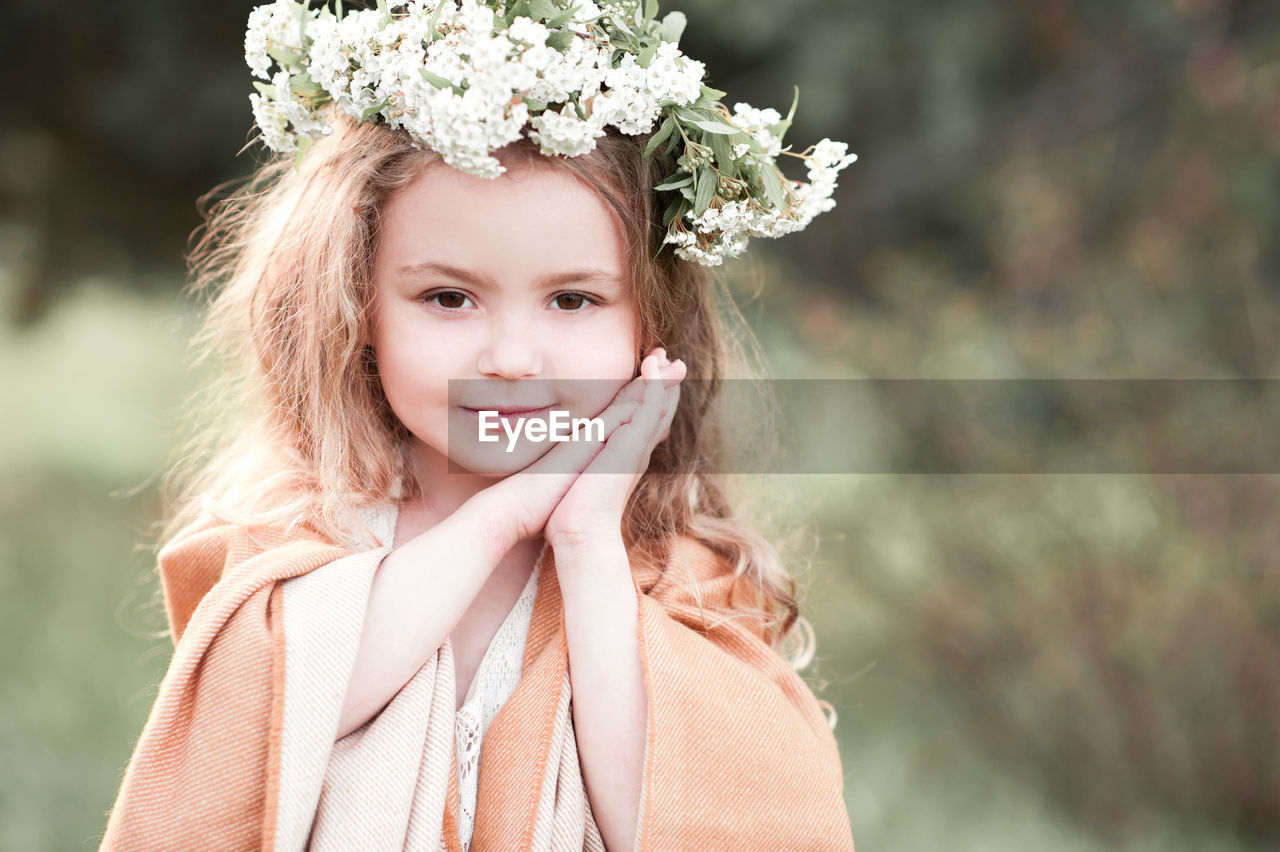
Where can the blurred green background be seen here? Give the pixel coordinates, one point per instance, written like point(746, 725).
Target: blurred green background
point(1047, 188)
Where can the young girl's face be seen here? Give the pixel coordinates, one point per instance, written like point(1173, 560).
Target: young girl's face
point(519, 284)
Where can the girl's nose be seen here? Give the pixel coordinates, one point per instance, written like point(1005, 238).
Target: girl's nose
point(510, 354)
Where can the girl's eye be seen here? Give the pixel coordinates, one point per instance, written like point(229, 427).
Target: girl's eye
point(450, 299)
point(572, 301)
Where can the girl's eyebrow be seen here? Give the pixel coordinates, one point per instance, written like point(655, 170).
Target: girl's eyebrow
point(593, 276)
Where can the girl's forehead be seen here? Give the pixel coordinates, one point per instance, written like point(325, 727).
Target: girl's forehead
point(530, 215)
point(526, 183)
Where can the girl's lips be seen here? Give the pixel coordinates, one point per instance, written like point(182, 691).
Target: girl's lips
point(508, 412)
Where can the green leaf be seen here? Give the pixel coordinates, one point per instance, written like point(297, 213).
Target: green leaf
point(646, 56)
point(542, 9)
point(674, 184)
point(265, 89)
point(561, 19)
point(650, 9)
point(673, 26)
point(560, 40)
point(535, 105)
point(304, 142)
point(339, 7)
point(386, 12)
point(717, 127)
point(300, 12)
point(519, 9)
point(621, 26)
point(772, 180)
point(435, 19)
point(374, 110)
point(780, 129)
point(724, 152)
point(438, 81)
point(284, 55)
point(690, 116)
point(712, 94)
point(687, 192)
point(708, 182)
point(664, 132)
point(673, 210)
point(304, 85)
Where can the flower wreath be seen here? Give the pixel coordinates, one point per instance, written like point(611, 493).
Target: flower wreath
point(464, 78)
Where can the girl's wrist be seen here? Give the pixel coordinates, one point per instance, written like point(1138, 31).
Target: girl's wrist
point(482, 521)
point(586, 561)
point(606, 539)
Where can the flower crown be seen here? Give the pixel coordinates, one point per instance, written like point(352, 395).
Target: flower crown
point(464, 77)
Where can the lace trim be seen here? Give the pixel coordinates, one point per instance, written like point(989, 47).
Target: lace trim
point(494, 681)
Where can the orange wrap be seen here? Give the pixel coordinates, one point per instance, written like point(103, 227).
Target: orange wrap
point(738, 753)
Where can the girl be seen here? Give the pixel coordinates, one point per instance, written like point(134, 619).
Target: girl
point(391, 633)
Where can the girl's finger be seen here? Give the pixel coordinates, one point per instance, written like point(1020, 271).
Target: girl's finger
point(660, 401)
point(628, 449)
point(657, 359)
point(574, 456)
point(633, 391)
point(672, 403)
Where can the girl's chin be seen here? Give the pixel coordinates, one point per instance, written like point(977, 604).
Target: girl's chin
point(487, 462)
point(495, 462)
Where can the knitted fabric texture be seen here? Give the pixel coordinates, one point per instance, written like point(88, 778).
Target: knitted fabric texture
point(494, 681)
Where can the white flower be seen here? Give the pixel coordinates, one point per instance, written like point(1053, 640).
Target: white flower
point(276, 24)
point(673, 76)
point(327, 64)
point(749, 118)
point(586, 12)
point(255, 43)
point(275, 116)
point(687, 248)
point(272, 123)
point(528, 31)
point(634, 95)
point(566, 134)
point(828, 158)
point(474, 17)
point(757, 122)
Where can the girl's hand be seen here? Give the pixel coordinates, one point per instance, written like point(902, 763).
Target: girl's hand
point(595, 501)
point(522, 503)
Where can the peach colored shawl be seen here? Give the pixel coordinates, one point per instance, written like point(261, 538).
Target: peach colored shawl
point(738, 754)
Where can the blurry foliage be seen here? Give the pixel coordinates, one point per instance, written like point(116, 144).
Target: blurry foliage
point(1047, 188)
point(1137, 677)
point(93, 396)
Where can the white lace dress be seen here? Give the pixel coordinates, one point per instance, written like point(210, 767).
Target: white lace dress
point(494, 681)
